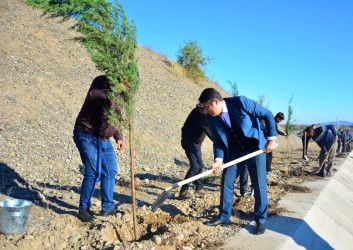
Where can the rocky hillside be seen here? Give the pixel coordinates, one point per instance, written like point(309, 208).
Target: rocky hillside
point(44, 79)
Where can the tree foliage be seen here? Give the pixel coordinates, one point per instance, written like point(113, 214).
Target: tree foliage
point(234, 87)
point(191, 58)
point(111, 41)
point(290, 124)
point(110, 38)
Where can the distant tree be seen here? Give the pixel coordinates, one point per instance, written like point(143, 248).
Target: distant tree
point(290, 124)
point(111, 41)
point(191, 58)
point(261, 100)
point(234, 87)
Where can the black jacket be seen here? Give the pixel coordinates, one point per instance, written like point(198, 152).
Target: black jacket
point(196, 126)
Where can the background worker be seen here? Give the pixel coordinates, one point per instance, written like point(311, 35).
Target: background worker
point(269, 156)
point(339, 140)
point(326, 137)
point(193, 133)
point(305, 141)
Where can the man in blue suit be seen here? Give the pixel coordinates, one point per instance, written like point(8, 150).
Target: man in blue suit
point(235, 127)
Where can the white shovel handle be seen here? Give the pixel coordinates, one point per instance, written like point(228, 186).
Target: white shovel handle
point(228, 164)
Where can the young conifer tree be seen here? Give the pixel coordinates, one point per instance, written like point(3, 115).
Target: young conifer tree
point(191, 58)
point(110, 38)
point(290, 124)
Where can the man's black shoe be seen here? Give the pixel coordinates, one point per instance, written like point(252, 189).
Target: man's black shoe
point(85, 215)
point(259, 229)
point(218, 222)
point(328, 175)
point(320, 174)
point(109, 212)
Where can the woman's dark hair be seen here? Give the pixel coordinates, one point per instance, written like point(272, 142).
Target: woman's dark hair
point(309, 129)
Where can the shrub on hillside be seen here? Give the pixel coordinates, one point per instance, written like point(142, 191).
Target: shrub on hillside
point(191, 58)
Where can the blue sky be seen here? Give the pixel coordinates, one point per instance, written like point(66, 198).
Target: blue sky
point(277, 48)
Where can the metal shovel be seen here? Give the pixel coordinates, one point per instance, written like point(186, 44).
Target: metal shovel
point(166, 193)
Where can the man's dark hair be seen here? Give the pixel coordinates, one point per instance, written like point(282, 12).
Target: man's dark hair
point(208, 95)
point(280, 115)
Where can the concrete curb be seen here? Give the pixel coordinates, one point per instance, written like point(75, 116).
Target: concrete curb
point(322, 219)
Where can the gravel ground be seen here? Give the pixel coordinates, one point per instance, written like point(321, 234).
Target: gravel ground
point(44, 79)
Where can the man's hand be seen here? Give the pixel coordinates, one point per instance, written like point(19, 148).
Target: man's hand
point(217, 166)
point(120, 144)
point(326, 156)
point(270, 146)
point(336, 137)
point(201, 144)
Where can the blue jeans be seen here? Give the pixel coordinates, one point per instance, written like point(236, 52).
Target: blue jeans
point(193, 152)
point(257, 170)
point(100, 164)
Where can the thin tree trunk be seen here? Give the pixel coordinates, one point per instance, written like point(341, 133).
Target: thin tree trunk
point(287, 147)
point(132, 180)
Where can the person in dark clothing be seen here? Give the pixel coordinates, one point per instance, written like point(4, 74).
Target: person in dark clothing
point(269, 156)
point(339, 141)
point(349, 140)
point(193, 133)
point(91, 136)
point(344, 141)
point(305, 141)
point(326, 137)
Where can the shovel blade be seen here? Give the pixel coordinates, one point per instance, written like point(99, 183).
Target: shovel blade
point(160, 200)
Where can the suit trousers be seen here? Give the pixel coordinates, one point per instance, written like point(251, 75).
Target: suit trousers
point(257, 170)
point(344, 146)
point(305, 142)
point(243, 180)
point(331, 157)
point(339, 142)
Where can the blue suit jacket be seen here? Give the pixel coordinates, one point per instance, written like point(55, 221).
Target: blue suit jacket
point(245, 114)
point(328, 135)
